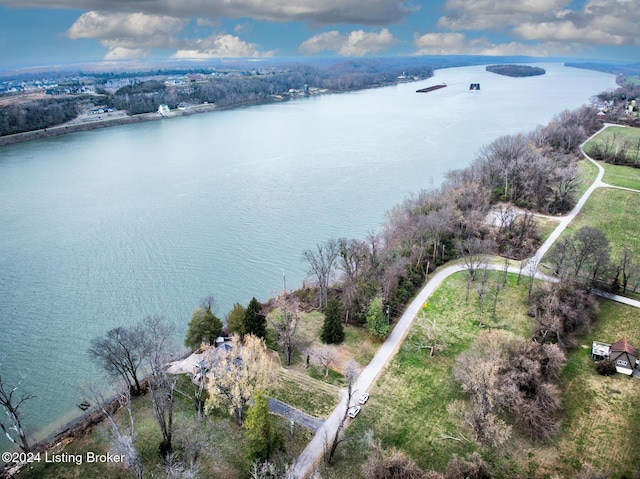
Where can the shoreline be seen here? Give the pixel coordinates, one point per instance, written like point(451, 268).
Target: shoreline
point(70, 127)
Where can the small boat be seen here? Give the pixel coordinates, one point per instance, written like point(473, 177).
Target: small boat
point(474, 86)
point(84, 405)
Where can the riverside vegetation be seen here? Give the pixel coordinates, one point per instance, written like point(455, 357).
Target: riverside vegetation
point(536, 171)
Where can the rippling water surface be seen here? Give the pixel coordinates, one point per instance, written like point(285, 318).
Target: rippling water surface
point(102, 228)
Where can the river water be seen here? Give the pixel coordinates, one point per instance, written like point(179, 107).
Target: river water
point(102, 228)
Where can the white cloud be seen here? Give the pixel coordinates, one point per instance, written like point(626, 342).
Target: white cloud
point(363, 12)
point(602, 22)
point(121, 25)
point(220, 45)
point(122, 53)
point(127, 36)
point(458, 44)
point(356, 43)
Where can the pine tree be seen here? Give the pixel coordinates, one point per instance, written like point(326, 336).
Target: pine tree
point(263, 440)
point(254, 321)
point(235, 320)
point(203, 327)
point(332, 329)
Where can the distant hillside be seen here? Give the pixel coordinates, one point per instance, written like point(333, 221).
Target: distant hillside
point(614, 68)
point(516, 70)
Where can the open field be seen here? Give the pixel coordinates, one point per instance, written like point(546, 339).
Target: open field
point(601, 410)
point(618, 139)
point(618, 175)
point(616, 213)
point(408, 406)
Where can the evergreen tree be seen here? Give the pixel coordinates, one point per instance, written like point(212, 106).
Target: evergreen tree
point(377, 322)
point(203, 327)
point(254, 321)
point(235, 320)
point(263, 440)
point(332, 329)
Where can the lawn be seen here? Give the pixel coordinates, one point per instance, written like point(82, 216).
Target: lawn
point(616, 213)
point(601, 410)
point(625, 176)
point(619, 138)
point(588, 174)
point(408, 405)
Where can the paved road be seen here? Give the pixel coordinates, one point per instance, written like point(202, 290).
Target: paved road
point(312, 454)
point(291, 413)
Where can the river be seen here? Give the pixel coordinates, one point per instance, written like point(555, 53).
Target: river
point(103, 228)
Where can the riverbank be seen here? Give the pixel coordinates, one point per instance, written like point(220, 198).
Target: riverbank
point(78, 125)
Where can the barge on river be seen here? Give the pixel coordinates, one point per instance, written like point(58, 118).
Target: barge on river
point(431, 88)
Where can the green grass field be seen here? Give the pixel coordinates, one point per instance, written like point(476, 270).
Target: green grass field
point(408, 405)
point(588, 174)
point(615, 212)
point(625, 176)
point(618, 137)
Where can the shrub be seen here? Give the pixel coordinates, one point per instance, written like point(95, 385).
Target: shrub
point(606, 367)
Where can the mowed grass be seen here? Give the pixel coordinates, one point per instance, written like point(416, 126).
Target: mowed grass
point(625, 176)
point(408, 405)
point(602, 420)
point(588, 174)
point(307, 388)
point(616, 213)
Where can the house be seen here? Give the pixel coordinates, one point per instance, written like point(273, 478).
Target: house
point(624, 356)
point(600, 351)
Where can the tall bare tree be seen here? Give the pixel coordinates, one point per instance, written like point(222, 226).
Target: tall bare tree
point(161, 385)
point(352, 373)
point(11, 400)
point(322, 262)
point(121, 353)
point(285, 323)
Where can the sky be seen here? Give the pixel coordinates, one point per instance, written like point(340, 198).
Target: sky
point(58, 32)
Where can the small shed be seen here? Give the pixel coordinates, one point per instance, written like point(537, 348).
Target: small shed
point(624, 356)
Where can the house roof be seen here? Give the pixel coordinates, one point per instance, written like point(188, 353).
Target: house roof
point(624, 347)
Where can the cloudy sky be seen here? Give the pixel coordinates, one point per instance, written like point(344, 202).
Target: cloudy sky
point(49, 32)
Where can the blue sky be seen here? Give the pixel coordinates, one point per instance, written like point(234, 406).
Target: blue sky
point(52, 32)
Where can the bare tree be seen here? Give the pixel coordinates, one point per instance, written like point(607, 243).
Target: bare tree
point(11, 400)
point(322, 262)
point(121, 353)
point(161, 385)
point(285, 324)
point(353, 371)
point(325, 356)
point(428, 336)
point(124, 432)
point(474, 252)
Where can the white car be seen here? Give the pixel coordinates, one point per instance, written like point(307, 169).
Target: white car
point(353, 411)
point(364, 397)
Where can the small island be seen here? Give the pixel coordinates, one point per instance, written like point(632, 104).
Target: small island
point(516, 70)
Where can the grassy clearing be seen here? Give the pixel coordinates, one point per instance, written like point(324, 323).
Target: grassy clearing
point(619, 137)
point(616, 213)
point(546, 226)
point(625, 176)
point(408, 405)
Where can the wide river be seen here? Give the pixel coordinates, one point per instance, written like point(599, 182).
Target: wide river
point(102, 228)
